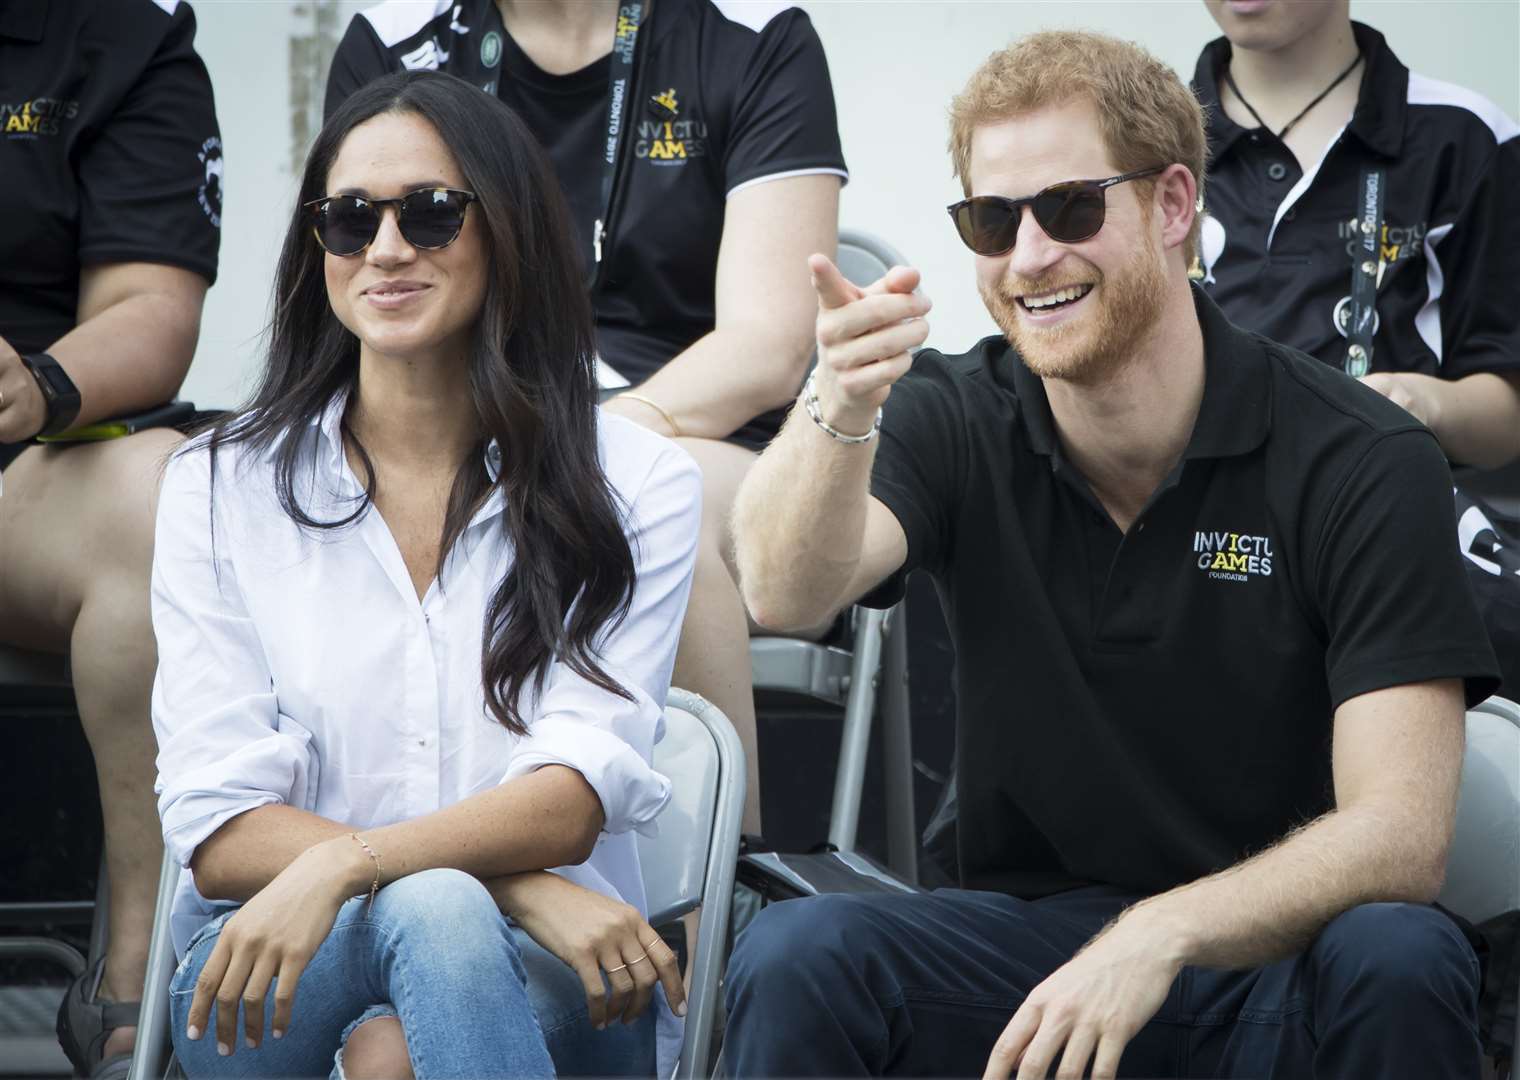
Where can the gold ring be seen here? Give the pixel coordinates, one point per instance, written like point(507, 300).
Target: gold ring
point(620, 967)
point(651, 945)
point(636, 959)
point(2, 399)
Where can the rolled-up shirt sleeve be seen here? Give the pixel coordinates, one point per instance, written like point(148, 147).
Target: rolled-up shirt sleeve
point(606, 738)
point(223, 747)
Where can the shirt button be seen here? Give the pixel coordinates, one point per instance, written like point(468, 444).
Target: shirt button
point(1255, 138)
point(1277, 170)
point(421, 742)
point(1291, 214)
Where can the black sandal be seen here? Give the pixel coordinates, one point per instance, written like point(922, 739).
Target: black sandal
point(85, 1023)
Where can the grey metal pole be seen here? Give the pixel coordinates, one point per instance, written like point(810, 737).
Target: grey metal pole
point(718, 885)
point(151, 1053)
point(855, 736)
point(897, 747)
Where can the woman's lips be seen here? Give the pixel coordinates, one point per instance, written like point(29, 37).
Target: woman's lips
point(390, 297)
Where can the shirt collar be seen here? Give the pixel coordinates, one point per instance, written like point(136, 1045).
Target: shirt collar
point(1380, 108)
point(1233, 418)
point(1379, 117)
point(329, 425)
point(23, 20)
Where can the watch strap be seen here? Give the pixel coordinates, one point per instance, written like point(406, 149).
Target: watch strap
point(59, 393)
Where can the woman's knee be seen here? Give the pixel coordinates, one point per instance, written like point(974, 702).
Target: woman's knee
point(444, 899)
point(446, 923)
point(376, 1050)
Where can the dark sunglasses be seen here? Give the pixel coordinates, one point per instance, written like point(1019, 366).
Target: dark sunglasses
point(1069, 212)
point(430, 219)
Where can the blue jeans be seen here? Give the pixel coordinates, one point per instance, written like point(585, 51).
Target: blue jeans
point(476, 996)
point(923, 985)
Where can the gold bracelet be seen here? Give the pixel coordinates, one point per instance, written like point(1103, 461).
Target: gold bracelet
point(670, 421)
point(374, 886)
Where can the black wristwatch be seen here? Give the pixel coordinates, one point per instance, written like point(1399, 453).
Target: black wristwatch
point(58, 391)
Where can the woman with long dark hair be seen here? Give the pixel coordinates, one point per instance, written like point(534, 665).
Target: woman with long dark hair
point(417, 608)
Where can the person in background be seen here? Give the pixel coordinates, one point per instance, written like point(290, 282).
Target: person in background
point(1300, 101)
point(1210, 720)
point(725, 175)
point(113, 170)
point(417, 608)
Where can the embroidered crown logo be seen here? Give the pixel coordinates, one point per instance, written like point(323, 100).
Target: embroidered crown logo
point(666, 99)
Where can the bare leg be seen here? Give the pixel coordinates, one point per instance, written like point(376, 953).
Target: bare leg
point(377, 1051)
point(76, 535)
point(713, 657)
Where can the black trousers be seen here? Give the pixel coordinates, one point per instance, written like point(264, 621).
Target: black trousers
point(923, 985)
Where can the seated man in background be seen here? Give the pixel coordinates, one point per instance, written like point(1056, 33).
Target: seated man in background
point(112, 164)
point(701, 159)
point(1212, 638)
point(1300, 103)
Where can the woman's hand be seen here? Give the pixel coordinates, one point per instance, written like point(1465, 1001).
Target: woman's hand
point(594, 934)
point(272, 936)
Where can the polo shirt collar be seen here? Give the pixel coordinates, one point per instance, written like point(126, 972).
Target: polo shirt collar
point(1233, 418)
point(23, 20)
point(1380, 108)
point(1379, 117)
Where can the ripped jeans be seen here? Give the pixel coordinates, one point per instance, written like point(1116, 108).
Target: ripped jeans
point(476, 996)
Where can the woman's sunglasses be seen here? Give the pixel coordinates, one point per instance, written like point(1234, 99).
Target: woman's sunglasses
point(1069, 212)
point(429, 219)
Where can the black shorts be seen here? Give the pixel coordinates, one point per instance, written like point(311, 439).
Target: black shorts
point(9, 452)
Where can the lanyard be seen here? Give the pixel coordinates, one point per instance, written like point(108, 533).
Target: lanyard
point(1366, 272)
point(631, 17)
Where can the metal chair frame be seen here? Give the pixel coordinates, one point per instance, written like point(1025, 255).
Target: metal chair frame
point(32, 684)
point(1483, 871)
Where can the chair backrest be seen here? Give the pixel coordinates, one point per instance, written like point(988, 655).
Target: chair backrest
point(674, 862)
point(864, 257)
point(1483, 868)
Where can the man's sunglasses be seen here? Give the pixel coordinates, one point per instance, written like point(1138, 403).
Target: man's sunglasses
point(430, 219)
point(1069, 212)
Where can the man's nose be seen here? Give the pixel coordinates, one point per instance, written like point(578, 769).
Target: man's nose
point(1034, 252)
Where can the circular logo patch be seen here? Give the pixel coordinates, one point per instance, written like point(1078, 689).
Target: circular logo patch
point(210, 193)
point(1343, 317)
point(490, 49)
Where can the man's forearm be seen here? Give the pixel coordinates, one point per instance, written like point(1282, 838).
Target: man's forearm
point(1478, 422)
point(1270, 906)
point(799, 521)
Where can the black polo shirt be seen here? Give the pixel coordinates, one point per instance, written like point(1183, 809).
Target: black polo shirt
point(109, 152)
point(1144, 709)
point(1277, 241)
point(724, 95)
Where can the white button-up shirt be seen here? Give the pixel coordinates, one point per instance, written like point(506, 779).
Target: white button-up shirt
point(297, 666)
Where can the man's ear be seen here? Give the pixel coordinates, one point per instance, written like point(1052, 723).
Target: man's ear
point(1176, 198)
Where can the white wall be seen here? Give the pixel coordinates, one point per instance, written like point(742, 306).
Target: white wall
point(895, 67)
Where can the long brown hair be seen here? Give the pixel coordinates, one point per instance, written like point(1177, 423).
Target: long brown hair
point(532, 382)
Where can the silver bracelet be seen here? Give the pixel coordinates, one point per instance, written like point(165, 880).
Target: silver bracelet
point(810, 402)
